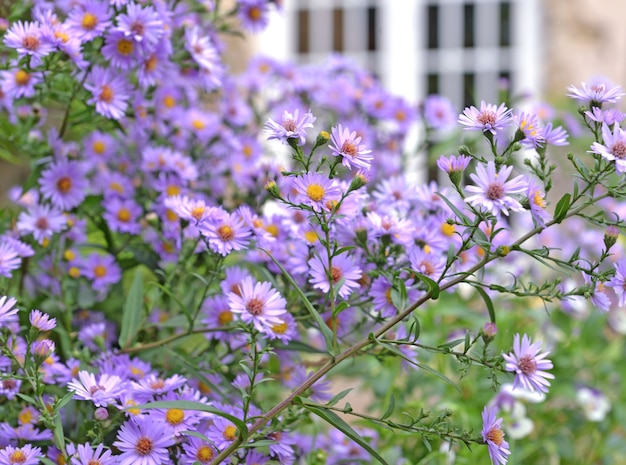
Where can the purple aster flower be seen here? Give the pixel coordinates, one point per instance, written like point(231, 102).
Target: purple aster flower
point(609, 116)
point(254, 14)
point(257, 303)
point(226, 233)
point(201, 47)
point(528, 365)
point(122, 215)
point(598, 295)
point(489, 118)
point(17, 83)
point(292, 126)
point(141, 24)
point(102, 269)
point(222, 432)
point(85, 455)
point(27, 455)
point(453, 164)
point(343, 268)
point(65, 183)
point(8, 312)
point(554, 136)
point(528, 124)
point(537, 202)
point(439, 112)
point(430, 264)
point(110, 92)
point(9, 259)
point(89, 20)
point(618, 282)
point(596, 94)
point(120, 50)
point(28, 39)
point(152, 386)
point(286, 330)
point(494, 436)
point(317, 191)
point(493, 191)
point(101, 391)
point(345, 144)
point(143, 442)
point(41, 321)
point(197, 450)
point(43, 221)
point(614, 147)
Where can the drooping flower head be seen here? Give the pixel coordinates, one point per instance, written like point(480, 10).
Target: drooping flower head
point(492, 190)
point(292, 126)
point(345, 144)
point(596, 94)
point(528, 364)
point(489, 118)
point(614, 147)
point(494, 436)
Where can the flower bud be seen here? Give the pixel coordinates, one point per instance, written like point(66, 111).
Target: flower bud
point(610, 236)
point(490, 330)
point(272, 189)
point(357, 182)
point(101, 414)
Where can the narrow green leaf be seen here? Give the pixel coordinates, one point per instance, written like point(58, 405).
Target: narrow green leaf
point(488, 303)
point(336, 421)
point(301, 347)
point(463, 217)
point(562, 208)
point(171, 295)
point(191, 405)
point(451, 344)
point(322, 326)
point(439, 375)
point(338, 397)
point(133, 311)
point(433, 287)
point(59, 437)
point(390, 408)
point(63, 401)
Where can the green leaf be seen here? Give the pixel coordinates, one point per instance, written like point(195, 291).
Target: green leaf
point(562, 208)
point(439, 375)
point(322, 326)
point(488, 303)
point(198, 406)
point(333, 419)
point(464, 218)
point(338, 397)
point(59, 437)
point(390, 408)
point(63, 401)
point(433, 287)
point(133, 311)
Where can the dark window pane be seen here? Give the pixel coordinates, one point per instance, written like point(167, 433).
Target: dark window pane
point(371, 28)
point(468, 89)
point(432, 26)
point(338, 30)
point(303, 31)
point(432, 84)
point(468, 25)
point(505, 24)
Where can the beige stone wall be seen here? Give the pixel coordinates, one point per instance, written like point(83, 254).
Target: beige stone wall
point(582, 39)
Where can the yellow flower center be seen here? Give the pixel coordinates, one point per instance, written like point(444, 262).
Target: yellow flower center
point(74, 272)
point(151, 63)
point(225, 233)
point(172, 190)
point(99, 147)
point(254, 13)
point(106, 94)
point(280, 328)
point(310, 236)
point(169, 101)
point(123, 215)
point(315, 192)
point(25, 416)
point(175, 416)
point(22, 77)
point(69, 255)
point(125, 47)
point(17, 457)
point(204, 454)
point(89, 21)
point(539, 200)
point(230, 433)
point(496, 436)
point(64, 185)
point(100, 271)
point(447, 229)
point(225, 317)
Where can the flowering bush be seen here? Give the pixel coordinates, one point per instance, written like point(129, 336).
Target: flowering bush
point(197, 261)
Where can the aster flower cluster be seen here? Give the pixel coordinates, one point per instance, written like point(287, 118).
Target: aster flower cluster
point(183, 279)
